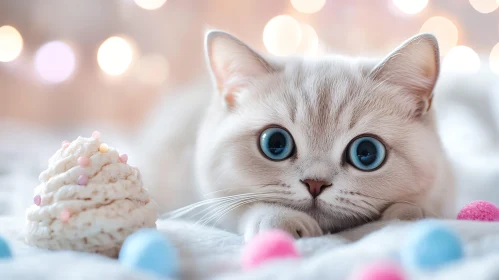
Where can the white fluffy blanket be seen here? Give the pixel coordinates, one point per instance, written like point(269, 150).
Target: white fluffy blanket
point(207, 253)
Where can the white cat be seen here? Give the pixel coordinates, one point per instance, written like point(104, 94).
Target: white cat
point(311, 146)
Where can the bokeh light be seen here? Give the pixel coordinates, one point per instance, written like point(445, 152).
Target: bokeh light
point(151, 69)
point(55, 61)
point(445, 31)
point(462, 59)
point(308, 6)
point(150, 4)
point(410, 6)
point(309, 40)
point(494, 59)
point(11, 43)
point(484, 6)
point(282, 35)
point(115, 56)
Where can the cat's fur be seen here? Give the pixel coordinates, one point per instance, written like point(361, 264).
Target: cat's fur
point(324, 103)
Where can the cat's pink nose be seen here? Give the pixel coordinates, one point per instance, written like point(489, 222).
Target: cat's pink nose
point(315, 187)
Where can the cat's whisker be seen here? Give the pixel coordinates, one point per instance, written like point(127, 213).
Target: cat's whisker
point(351, 210)
point(220, 191)
point(225, 208)
point(213, 206)
point(371, 208)
point(345, 212)
point(374, 211)
point(222, 211)
point(233, 208)
point(221, 206)
point(238, 189)
point(221, 214)
point(189, 208)
point(195, 211)
point(394, 201)
point(354, 204)
point(368, 203)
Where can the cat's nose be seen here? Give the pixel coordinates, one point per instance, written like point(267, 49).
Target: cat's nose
point(315, 187)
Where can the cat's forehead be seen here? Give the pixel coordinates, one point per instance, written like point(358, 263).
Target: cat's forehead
point(318, 79)
point(325, 96)
point(321, 84)
point(318, 91)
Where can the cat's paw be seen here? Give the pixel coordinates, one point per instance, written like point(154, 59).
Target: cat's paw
point(403, 211)
point(264, 218)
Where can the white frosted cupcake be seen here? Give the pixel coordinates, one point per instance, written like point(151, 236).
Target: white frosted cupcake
point(89, 200)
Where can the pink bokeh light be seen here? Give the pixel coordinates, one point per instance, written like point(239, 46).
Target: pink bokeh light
point(55, 62)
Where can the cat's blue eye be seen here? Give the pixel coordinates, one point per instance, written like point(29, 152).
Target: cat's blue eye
point(366, 153)
point(276, 143)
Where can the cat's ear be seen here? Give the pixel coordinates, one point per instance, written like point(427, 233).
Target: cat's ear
point(233, 64)
point(414, 66)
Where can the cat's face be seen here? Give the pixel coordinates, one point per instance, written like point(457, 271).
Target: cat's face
point(333, 137)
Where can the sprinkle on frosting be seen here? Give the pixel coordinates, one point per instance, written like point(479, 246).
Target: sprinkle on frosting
point(82, 180)
point(96, 135)
point(65, 144)
point(37, 200)
point(124, 158)
point(65, 215)
point(83, 161)
point(103, 148)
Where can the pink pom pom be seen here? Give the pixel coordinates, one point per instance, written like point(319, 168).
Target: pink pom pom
point(381, 270)
point(274, 244)
point(479, 210)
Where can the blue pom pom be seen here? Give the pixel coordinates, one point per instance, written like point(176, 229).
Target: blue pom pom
point(5, 252)
point(148, 250)
point(431, 245)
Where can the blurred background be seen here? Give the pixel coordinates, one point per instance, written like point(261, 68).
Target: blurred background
point(70, 67)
